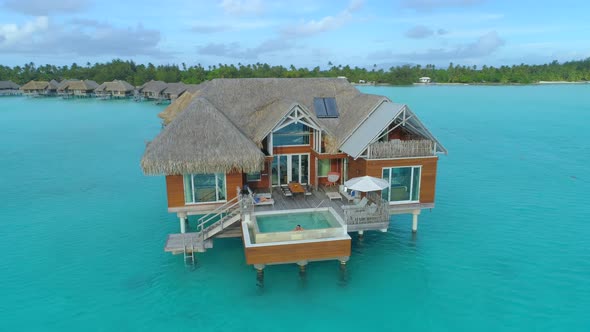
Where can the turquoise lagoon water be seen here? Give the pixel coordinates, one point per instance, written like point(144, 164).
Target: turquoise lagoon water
point(288, 222)
point(505, 249)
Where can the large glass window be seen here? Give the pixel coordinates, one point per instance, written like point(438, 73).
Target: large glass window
point(254, 176)
point(404, 184)
point(204, 188)
point(323, 167)
point(293, 134)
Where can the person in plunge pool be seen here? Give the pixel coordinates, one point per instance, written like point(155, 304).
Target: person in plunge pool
point(298, 228)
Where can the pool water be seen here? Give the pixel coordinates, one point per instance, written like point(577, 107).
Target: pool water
point(286, 222)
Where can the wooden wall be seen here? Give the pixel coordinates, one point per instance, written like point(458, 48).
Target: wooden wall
point(298, 252)
point(175, 190)
point(233, 180)
point(428, 176)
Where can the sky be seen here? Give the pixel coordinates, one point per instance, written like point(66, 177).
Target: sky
point(303, 33)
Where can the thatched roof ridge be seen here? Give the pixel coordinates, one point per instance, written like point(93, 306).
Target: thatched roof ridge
point(175, 88)
point(35, 85)
point(84, 85)
point(63, 85)
point(180, 104)
point(153, 86)
point(8, 85)
point(201, 140)
point(241, 99)
point(53, 84)
point(116, 85)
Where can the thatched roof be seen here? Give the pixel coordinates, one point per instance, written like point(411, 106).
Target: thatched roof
point(201, 140)
point(53, 84)
point(117, 85)
point(256, 104)
point(63, 85)
point(35, 85)
point(84, 85)
point(176, 107)
point(251, 108)
point(153, 86)
point(175, 89)
point(8, 85)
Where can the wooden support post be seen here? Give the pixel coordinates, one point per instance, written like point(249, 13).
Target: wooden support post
point(259, 275)
point(415, 214)
point(183, 221)
point(361, 236)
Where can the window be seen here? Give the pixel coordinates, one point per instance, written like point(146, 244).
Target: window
point(293, 134)
point(254, 176)
point(404, 184)
point(323, 167)
point(204, 188)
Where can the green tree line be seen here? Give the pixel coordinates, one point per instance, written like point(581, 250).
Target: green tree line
point(138, 74)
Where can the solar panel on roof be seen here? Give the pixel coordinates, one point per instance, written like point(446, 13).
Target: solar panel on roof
point(319, 107)
point(331, 107)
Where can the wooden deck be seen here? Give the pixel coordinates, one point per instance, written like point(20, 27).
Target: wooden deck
point(317, 198)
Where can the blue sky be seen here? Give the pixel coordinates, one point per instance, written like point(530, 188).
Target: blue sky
point(305, 33)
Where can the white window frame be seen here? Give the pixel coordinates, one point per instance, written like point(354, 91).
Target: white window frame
point(192, 202)
point(289, 167)
point(411, 183)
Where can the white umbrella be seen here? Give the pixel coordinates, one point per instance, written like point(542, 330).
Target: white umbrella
point(366, 183)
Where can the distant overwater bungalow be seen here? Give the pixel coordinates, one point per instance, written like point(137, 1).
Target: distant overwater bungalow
point(174, 90)
point(290, 166)
point(115, 89)
point(153, 90)
point(8, 88)
point(40, 88)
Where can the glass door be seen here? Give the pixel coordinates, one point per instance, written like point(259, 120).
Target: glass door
point(404, 184)
point(290, 167)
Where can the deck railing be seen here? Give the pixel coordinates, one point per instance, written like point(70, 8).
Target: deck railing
point(369, 214)
point(398, 149)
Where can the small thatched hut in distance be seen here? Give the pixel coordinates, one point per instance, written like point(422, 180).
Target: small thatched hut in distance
point(63, 89)
point(114, 89)
point(83, 88)
point(174, 90)
point(9, 88)
point(153, 89)
point(40, 88)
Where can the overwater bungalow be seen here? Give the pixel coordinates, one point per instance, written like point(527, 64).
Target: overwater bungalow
point(174, 90)
point(40, 88)
point(63, 89)
point(84, 88)
point(253, 158)
point(153, 90)
point(8, 88)
point(114, 89)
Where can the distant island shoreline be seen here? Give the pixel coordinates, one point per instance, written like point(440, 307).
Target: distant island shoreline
point(571, 72)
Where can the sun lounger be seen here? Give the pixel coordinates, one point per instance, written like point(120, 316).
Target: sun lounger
point(360, 205)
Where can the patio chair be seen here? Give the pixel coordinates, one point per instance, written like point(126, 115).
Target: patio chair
point(286, 192)
point(332, 178)
point(360, 205)
point(308, 191)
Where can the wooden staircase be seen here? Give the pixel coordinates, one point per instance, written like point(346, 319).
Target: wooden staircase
point(223, 222)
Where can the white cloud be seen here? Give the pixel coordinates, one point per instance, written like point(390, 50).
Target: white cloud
point(234, 50)
point(327, 23)
point(79, 37)
point(242, 7)
point(419, 32)
point(429, 5)
point(484, 46)
point(44, 7)
point(13, 34)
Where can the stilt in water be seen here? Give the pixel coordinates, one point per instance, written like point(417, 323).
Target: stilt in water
point(343, 274)
point(259, 275)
